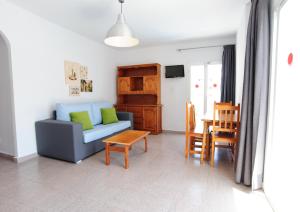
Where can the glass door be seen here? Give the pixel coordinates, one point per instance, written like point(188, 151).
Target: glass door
point(205, 88)
point(281, 179)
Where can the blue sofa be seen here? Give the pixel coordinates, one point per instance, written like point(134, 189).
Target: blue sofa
point(62, 139)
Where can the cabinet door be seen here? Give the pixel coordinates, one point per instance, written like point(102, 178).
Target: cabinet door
point(137, 116)
point(150, 84)
point(150, 118)
point(123, 85)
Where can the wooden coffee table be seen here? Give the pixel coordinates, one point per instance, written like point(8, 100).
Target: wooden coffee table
point(125, 139)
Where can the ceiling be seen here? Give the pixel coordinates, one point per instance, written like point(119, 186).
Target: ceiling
point(152, 21)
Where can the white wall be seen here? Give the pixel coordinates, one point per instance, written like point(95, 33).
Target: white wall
point(7, 130)
point(38, 50)
point(175, 92)
point(241, 38)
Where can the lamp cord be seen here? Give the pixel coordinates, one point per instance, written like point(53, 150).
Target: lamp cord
point(121, 2)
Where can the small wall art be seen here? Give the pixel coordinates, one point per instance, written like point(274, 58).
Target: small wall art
point(76, 77)
point(72, 73)
point(74, 90)
point(83, 72)
point(86, 85)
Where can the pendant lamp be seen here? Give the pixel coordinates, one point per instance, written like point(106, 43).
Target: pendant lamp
point(120, 34)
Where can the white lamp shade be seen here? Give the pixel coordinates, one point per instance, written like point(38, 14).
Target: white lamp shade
point(120, 35)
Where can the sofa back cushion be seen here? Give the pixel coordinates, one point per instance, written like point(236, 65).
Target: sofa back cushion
point(96, 109)
point(63, 110)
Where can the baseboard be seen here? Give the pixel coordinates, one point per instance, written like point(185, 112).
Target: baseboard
point(173, 131)
point(6, 156)
point(25, 158)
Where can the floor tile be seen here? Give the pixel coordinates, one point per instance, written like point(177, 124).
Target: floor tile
point(160, 180)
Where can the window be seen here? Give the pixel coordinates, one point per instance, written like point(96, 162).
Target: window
point(205, 88)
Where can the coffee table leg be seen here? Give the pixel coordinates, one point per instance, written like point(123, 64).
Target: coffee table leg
point(126, 157)
point(107, 154)
point(146, 145)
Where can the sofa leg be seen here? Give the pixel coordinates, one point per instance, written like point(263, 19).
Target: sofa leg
point(78, 162)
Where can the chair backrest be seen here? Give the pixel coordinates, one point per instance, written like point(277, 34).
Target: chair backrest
point(190, 117)
point(223, 103)
point(226, 118)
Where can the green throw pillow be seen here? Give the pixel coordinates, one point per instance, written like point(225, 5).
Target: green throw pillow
point(109, 115)
point(82, 118)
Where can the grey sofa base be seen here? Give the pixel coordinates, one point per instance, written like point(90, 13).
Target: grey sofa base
point(88, 150)
point(64, 140)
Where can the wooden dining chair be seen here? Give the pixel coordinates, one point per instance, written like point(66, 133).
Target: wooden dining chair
point(226, 128)
point(194, 134)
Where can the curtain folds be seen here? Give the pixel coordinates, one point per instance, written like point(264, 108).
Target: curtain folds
point(228, 74)
point(250, 159)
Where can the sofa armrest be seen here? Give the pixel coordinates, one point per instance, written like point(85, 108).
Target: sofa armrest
point(58, 139)
point(126, 116)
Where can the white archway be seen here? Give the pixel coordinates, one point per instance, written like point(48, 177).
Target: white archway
point(8, 144)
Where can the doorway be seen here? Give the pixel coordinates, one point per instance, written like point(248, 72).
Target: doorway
point(7, 119)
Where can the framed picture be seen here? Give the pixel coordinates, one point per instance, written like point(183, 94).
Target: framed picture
point(72, 73)
point(74, 90)
point(83, 72)
point(86, 85)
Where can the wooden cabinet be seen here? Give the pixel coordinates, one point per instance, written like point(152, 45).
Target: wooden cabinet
point(139, 92)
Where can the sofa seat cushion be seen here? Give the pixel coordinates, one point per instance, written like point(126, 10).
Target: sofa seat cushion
point(101, 131)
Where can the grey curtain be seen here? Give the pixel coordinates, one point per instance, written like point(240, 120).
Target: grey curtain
point(228, 74)
point(250, 159)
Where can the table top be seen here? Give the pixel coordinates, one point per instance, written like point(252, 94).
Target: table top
point(127, 137)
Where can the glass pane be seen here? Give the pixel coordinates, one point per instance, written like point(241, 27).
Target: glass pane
point(213, 87)
point(197, 90)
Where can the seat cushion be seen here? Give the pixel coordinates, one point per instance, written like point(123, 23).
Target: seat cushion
point(96, 109)
point(63, 110)
point(101, 131)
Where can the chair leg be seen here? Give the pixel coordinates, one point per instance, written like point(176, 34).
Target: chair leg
point(192, 145)
point(208, 148)
point(187, 141)
point(212, 156)
point(203, 151)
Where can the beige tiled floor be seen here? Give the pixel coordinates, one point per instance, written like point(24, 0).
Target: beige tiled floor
point(159, 180)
